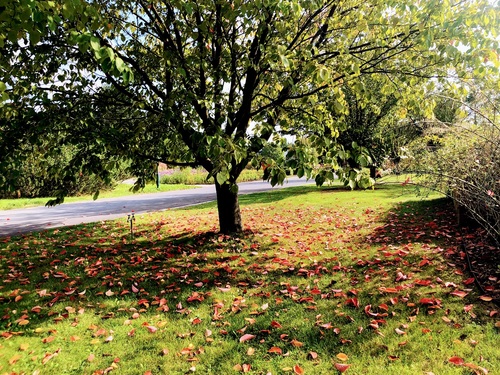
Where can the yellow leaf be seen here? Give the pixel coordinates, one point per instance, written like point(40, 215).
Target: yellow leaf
point(23, 347)
point(343, 357)
point(14, 359)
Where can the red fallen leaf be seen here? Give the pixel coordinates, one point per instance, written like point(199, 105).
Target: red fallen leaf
point(131, 333)
point(430, 301)
point(275, 350)
point(246, 337)
point(352, 302)
point(423, 282)
point(456, 361)
point(459, 293)
point(152, 329)
point(296, 343)
point(469, 281)
point(424, 262)
point(383, 306)
point(196, 321)
point(135, 289)
point(298, 370)
point(468, 308)
point(275, 324)
point(246, 367)
point(341, 367)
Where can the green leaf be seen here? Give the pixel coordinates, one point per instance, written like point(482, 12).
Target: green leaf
point(300, 172)
point(95, 44)
point(120, 64)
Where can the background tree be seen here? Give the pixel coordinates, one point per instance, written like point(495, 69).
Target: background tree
point(210, 83)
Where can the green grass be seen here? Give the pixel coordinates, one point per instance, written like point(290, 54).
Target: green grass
point(120, 190)
point(299, 279)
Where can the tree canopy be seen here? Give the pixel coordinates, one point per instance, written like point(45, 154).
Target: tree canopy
point(211, 83)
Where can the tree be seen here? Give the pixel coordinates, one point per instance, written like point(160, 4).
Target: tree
point(210, 83)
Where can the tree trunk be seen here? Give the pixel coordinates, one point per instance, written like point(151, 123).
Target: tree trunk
point(229, 208)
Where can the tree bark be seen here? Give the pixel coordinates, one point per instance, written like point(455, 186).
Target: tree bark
point(228, 208)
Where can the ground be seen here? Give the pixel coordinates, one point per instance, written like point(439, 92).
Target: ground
point(322, 281)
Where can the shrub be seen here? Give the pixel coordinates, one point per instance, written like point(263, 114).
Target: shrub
point(198, 176)
point(465, 165)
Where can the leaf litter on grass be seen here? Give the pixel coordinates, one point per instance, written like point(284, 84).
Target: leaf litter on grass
point(315, 281)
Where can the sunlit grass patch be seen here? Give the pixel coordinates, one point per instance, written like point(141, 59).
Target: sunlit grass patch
point(320, 277)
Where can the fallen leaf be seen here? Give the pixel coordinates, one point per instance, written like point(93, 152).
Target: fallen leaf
point(343, 357)
point(14, 359)
point(298, 370)
point(250, 351)
point(459, 293)
point(275, 350)
point(456, 361)
point(49, 356)
point(341, 367)
point(296, 343)
point(313, 355)
point(246, 337)
point(486, 298)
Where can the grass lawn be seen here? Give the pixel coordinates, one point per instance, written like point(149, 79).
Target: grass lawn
point(323, 280)
point(120, 190)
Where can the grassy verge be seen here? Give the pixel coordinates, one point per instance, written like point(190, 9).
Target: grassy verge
point(120, 190)
point(322, 280)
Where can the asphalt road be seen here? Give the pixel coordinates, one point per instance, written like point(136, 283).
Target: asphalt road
point(13, 222)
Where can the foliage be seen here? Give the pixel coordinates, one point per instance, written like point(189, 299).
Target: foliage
point(461, 161)
point(192, 83)
point(320, 278)
point(41, 177)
